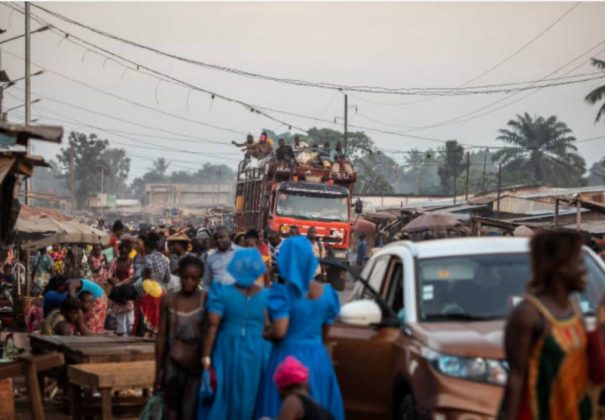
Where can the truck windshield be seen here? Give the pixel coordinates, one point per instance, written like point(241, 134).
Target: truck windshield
point(313, 206)
point(482, 287)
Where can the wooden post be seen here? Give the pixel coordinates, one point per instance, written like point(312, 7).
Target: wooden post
point(578, 215)
point(106, 404)
point(33, 388)
point(499, 188)
point(556, 221)
point(468, 165)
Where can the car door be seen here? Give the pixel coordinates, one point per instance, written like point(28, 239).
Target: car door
point(363, 355)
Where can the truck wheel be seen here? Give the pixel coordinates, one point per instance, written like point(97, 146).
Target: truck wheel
point(407, 408)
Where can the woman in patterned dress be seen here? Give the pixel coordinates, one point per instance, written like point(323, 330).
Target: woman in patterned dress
point(546, 339)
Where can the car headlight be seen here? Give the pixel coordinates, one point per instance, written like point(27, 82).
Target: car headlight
point(477, 369)
point(341, 254)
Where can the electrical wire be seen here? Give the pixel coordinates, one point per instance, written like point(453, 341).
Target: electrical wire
point(299, 82)
point(139, 67)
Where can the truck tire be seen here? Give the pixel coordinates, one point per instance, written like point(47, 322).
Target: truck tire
point(407, 408)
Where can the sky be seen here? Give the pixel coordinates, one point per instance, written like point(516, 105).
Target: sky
point(379, 44)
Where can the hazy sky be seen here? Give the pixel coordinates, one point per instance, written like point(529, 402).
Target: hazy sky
point(386, 44)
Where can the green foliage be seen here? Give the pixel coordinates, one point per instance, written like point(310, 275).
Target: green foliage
point(91, 157)
point(450, 166)
point(597, 94)
point(543, 150)
point(596, 173)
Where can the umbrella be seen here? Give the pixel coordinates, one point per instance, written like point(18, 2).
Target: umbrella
point(431, 221)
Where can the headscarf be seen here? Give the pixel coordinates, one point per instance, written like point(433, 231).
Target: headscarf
point(290, 372)
point(246, 266)
point(297, 262)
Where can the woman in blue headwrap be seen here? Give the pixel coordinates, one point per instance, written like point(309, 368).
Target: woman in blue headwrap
point(233, 343)
point(301, 311)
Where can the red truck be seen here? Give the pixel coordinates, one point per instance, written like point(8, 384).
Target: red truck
point(279, 195)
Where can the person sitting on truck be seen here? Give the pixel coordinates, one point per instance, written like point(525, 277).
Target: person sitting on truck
point(264, 147)
point(299, 145)
point(339, 157)
point(284, 153)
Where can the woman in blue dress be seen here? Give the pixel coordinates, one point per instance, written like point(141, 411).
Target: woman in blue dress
point(301, 311)
point(234, 338)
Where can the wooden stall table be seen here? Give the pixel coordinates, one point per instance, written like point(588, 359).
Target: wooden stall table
point(106, 378)
point(90, 350)
point(95, 348)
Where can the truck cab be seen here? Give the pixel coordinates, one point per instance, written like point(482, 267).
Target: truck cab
point(278, 196)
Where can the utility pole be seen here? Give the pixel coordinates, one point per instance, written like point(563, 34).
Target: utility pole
point(72, 180)
point(28, 95)
point(499, 187)
point(484, 172)
point(218, 190)
point(468, 165)
point(346, 132)
point(455, 182)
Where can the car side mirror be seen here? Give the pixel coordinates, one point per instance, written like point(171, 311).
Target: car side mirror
point(363, 313)
point(358, 206)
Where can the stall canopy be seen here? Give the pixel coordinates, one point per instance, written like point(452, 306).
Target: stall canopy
point(432, 221)
point(45, 231)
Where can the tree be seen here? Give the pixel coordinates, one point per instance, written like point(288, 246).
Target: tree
point(451, 165)
point(543, 150)
point(86, 153)
point(160, 166)
point(421, 172)
point(117, 167)
point(599, 93)
point(596, 173)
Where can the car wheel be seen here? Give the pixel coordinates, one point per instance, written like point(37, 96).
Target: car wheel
point(407, 408)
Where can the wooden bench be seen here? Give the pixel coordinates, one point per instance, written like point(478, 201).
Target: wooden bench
point(106, 378)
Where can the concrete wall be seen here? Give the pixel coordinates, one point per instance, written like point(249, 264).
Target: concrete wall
point(189, 195)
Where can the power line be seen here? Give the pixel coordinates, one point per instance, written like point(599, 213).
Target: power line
point(137, 67)
point(297, 82)
point(123, 99)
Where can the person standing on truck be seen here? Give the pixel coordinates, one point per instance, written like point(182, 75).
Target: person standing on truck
point(284, 153)
point(545, 336)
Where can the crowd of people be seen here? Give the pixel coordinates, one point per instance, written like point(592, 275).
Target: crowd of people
point(215, 303)
point(300, 152)
point(239, 320)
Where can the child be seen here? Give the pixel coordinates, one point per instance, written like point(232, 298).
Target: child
point(67, 320)
point(35, 316)
point(178, 343)
point(121, 272)
point(291, 378)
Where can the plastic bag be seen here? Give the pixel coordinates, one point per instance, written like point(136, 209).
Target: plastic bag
point(154, 409)
point(207, 385)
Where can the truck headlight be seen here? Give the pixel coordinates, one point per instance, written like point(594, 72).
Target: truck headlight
point(477, 369)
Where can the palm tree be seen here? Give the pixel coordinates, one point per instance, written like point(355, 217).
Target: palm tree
point(599, 93)
point(542, 149)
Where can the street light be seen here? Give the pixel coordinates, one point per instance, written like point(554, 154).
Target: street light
point(22, 105)
point(42, 29)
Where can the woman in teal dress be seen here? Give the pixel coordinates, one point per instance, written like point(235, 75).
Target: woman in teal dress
point(234, 338)
point(301, 311)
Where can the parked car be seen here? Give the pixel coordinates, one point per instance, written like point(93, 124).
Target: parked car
point(429, 344)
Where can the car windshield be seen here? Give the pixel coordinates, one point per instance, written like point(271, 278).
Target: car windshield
point(313, 207)
point(483, 287)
